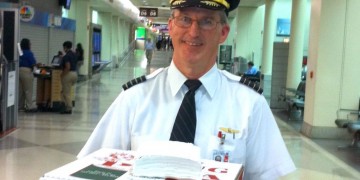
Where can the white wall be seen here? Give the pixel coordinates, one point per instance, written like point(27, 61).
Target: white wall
point(334, 62)
point(246, 34)
point(249, 33)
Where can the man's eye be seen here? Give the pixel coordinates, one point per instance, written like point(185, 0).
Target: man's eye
point(185, 19)
point(207, 21)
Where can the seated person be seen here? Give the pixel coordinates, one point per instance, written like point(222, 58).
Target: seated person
point(252, 70)
point(252, 73)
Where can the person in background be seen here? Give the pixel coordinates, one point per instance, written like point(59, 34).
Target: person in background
point(80, 56)
point(252, 70)
point(158, 45)
point(230, 116)
point(26, 78)
point(68, 76)
point(149, 50)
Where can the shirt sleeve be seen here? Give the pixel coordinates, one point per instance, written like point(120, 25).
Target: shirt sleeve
point(267, 156)
point(112, 131)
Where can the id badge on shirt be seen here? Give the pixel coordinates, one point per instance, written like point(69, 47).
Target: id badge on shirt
point(230, 146)
point(221, 155)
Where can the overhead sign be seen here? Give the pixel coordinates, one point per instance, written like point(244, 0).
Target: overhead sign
point(160, 26)
point(148, 12)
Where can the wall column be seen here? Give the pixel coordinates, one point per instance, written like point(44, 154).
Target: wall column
point(105, 19)
point(268, 44)
point(121, 39)
point(333, 67)
point(115, 42)
point(296, 43)
point(82, 14)
point(269, 35)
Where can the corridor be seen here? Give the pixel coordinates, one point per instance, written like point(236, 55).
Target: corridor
point(47, 140)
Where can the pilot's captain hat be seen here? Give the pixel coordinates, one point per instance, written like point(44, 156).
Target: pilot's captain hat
point(226, 5)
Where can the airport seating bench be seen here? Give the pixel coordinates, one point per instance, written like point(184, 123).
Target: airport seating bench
point(353, 127)
point(294, 98)
point(253, 77)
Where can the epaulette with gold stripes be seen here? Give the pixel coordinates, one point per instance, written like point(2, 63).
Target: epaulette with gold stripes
point(134, 82)
point(253, 85)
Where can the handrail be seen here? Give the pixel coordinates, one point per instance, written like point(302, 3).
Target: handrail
point(126, 53)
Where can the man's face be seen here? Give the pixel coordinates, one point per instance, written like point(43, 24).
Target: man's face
point(193, 45)
point(66, 49)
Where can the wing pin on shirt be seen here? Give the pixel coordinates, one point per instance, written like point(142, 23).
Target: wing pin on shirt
point(229, 130)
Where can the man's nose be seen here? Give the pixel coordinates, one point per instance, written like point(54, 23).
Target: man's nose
point(195, 28)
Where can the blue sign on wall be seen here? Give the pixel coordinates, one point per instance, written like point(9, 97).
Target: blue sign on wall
point(283, 27)
point(43, 18)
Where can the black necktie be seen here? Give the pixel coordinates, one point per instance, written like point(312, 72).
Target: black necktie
point(185, 122)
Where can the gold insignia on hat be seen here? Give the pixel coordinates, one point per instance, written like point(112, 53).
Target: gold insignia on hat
point(222, 2)
point(177, 2)
point(210, 3)
point(213, 3)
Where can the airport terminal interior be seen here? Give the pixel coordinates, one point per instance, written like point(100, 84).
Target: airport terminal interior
point(44, 141)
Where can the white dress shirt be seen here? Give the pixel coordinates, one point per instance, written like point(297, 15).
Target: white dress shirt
point(147, 111)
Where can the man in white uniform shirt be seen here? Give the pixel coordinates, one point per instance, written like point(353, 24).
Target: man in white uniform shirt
point(233, 120)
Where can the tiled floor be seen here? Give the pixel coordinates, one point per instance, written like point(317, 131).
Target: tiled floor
point(47, 140)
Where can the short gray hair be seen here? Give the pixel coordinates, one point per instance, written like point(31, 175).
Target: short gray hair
point(223, 17)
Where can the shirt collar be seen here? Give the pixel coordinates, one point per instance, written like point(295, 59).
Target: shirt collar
point(208, 80)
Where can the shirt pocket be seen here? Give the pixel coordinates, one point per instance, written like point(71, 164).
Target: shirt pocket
point(232, 150)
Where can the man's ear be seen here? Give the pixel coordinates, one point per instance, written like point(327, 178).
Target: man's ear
point(224, 33)
point(170, 25)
